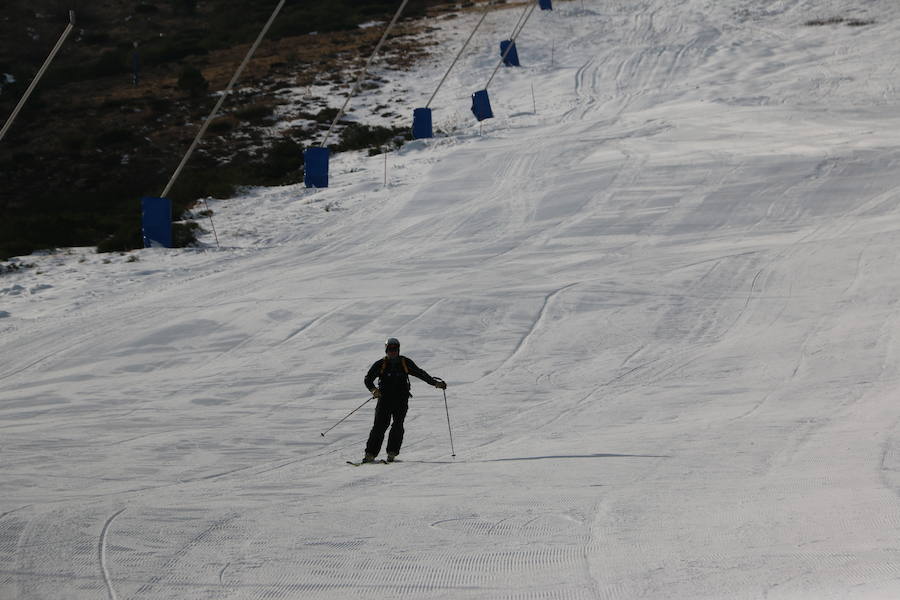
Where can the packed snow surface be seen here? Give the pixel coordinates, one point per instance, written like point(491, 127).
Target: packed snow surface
point(663, 290)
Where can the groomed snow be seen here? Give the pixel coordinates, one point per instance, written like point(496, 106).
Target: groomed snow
point(666, 305)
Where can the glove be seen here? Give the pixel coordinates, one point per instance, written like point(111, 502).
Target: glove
point(376, 393)
point(441, 385)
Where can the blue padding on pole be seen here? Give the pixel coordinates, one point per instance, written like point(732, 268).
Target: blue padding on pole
point(315, 171)
point(422, 124)
point(481, 105)
point(512, 57)
point(156, 222)
point(546, 4)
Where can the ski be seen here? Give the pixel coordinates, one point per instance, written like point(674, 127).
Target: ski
point(374, 462)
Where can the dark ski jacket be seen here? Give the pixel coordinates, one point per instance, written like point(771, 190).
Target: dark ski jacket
point(393, 377)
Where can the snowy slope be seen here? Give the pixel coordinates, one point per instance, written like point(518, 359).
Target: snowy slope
point(665, 305)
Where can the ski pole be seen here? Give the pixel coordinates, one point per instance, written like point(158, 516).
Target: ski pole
point(345, 418)
point(447, 410)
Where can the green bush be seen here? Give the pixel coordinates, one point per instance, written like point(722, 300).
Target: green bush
point(188, 7)
point(284, 158)
point(205, 181)
point(109, 63)
point(184, 233)
point(73, 141)
point(191, 81)
point(326, 115)
point(281, 164)
point(255, 113)
point(357, 136)
point(222, 125)
point(160, 106)
point(126, 237)
point(114, 136)
point(13, 243)
point(96, 38)
point(165, 50)
point(315, 16)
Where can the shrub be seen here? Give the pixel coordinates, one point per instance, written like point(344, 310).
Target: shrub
point(191, 81)
point(281, 164)
point(114, 136)
point(316, 16)
point(96, 39)
point(255, 113)
point(159, 106)
point(173, 49)
point(184, 233)
point(185, 6)
point(222, 125)
point(357, 136)
point(284, 158)
point(12, 244)
point(326, 115)
point(109, 63)
point(73, 141)
point(126, 237)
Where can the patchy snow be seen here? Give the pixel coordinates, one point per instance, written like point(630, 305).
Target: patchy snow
point(665, 304)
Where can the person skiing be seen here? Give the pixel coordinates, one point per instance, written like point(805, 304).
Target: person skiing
point(393, 392)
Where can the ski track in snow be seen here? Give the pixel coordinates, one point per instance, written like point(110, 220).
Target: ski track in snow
point(102, 555)
point(662, 292)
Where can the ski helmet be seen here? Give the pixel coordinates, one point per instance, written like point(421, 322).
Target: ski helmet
point(392, 343)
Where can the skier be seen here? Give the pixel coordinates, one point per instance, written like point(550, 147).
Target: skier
point(393, 394)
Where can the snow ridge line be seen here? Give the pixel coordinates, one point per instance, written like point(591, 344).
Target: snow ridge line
point(312, 323)
point(535, 324)
point(9, 512)
point(102, 555)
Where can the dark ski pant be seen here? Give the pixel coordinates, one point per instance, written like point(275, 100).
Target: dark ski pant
point(386, 410)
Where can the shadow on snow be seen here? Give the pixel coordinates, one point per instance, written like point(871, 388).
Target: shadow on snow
point(549, 457)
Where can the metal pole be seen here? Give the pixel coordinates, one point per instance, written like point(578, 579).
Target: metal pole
point(345, 418)
point(447, 410)
point(363, 74)
point(222, 98)
point(512, 42)
point(461, 50)
point(40, 74)
point(209, 213)
point(519, 22)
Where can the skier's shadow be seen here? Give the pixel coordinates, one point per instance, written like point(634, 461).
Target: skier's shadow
point(548, 457)
point(560, 456)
